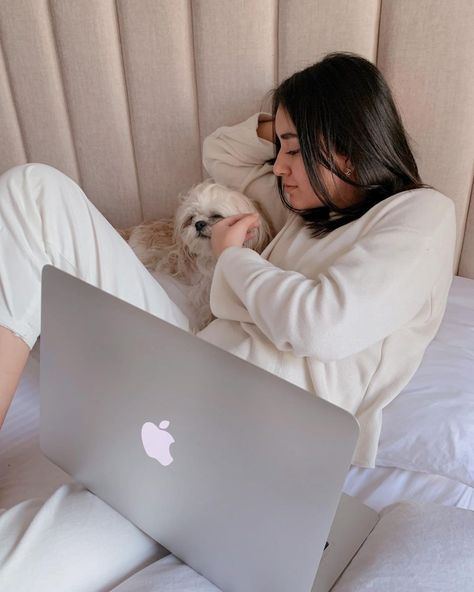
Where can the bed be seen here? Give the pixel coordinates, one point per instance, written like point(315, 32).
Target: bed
point(119, 95)
point(424, 452)
point(433, 465)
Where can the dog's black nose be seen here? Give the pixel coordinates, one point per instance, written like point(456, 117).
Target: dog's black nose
point(200, 225)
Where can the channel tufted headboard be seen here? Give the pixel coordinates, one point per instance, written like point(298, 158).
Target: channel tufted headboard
point(119, 94)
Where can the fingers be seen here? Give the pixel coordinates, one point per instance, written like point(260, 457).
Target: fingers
point(233, 231)
point(256, 223)
point(250, 217)
point(247, 222)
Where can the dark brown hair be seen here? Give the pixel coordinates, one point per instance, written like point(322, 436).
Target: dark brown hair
point(343, 105)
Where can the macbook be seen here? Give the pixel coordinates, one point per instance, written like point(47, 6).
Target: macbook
point(236, 472)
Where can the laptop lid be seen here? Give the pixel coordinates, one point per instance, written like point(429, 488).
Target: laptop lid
point(235, 471)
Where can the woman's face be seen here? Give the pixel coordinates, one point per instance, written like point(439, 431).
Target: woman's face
point(289, 166)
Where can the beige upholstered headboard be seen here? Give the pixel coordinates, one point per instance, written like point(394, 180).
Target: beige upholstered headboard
point(119, 94)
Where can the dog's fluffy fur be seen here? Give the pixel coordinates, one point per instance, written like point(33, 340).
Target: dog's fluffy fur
point(181, 246)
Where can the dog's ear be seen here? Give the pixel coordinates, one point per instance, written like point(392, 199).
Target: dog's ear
point(197, 187)
point(178, 261)
point(185, 261)
point(181, 199)
point(202, 184)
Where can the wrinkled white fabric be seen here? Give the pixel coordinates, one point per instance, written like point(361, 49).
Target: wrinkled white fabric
point(45, 218)
point(416, 547)
point(73, 542)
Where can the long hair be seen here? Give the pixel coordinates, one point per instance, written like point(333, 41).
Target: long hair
point(343, 105)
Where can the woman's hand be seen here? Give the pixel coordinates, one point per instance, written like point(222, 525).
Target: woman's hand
point(233, 231)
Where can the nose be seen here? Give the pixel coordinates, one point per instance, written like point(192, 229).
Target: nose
point(280, 166)
point(200, 224)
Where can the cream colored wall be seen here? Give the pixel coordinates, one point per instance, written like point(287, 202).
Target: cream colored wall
point(120, 94)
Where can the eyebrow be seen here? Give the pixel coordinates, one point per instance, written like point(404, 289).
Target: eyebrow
point(288, 135)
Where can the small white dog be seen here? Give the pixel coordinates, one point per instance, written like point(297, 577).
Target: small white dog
point(181, 246)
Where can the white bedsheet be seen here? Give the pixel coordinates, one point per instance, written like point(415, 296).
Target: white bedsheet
point(26, 473)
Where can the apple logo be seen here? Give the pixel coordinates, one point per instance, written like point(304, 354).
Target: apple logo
point(157, 441)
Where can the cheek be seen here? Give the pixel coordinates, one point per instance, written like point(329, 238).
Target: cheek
point(332, 182)
point(302, 178)
point(328, 180)
point(325, 177)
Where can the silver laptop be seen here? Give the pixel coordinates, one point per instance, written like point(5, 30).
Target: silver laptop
point(233, 470)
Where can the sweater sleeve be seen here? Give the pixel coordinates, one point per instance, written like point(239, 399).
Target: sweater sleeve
point(236, 157)
point(366, 294)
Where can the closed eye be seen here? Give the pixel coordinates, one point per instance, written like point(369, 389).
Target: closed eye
point(215, 217)
point(187, 222)
point(292, 152)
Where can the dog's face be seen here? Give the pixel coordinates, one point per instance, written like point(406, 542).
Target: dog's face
point(202, 207)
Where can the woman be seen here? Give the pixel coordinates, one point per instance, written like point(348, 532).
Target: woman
point(345, 299)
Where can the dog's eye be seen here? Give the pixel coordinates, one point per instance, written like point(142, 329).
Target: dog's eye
point(187, 222)
point(215, 216)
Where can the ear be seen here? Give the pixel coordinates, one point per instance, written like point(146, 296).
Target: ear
point(185, 261)
point(345, 164)
point(201, 185)
point(182, 198)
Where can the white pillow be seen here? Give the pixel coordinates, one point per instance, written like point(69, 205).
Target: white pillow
point(416, 547)
point(429, 427)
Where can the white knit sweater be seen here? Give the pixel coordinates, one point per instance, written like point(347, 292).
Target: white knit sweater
point(347, 316)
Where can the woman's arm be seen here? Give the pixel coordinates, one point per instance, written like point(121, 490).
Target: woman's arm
point(365, 295)
point(236, 156)
point(265, 130)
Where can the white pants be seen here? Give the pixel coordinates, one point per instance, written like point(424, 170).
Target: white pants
point(73, 541)
point(45, 217)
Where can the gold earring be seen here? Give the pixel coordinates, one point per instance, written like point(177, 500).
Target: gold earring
point(348, 172)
